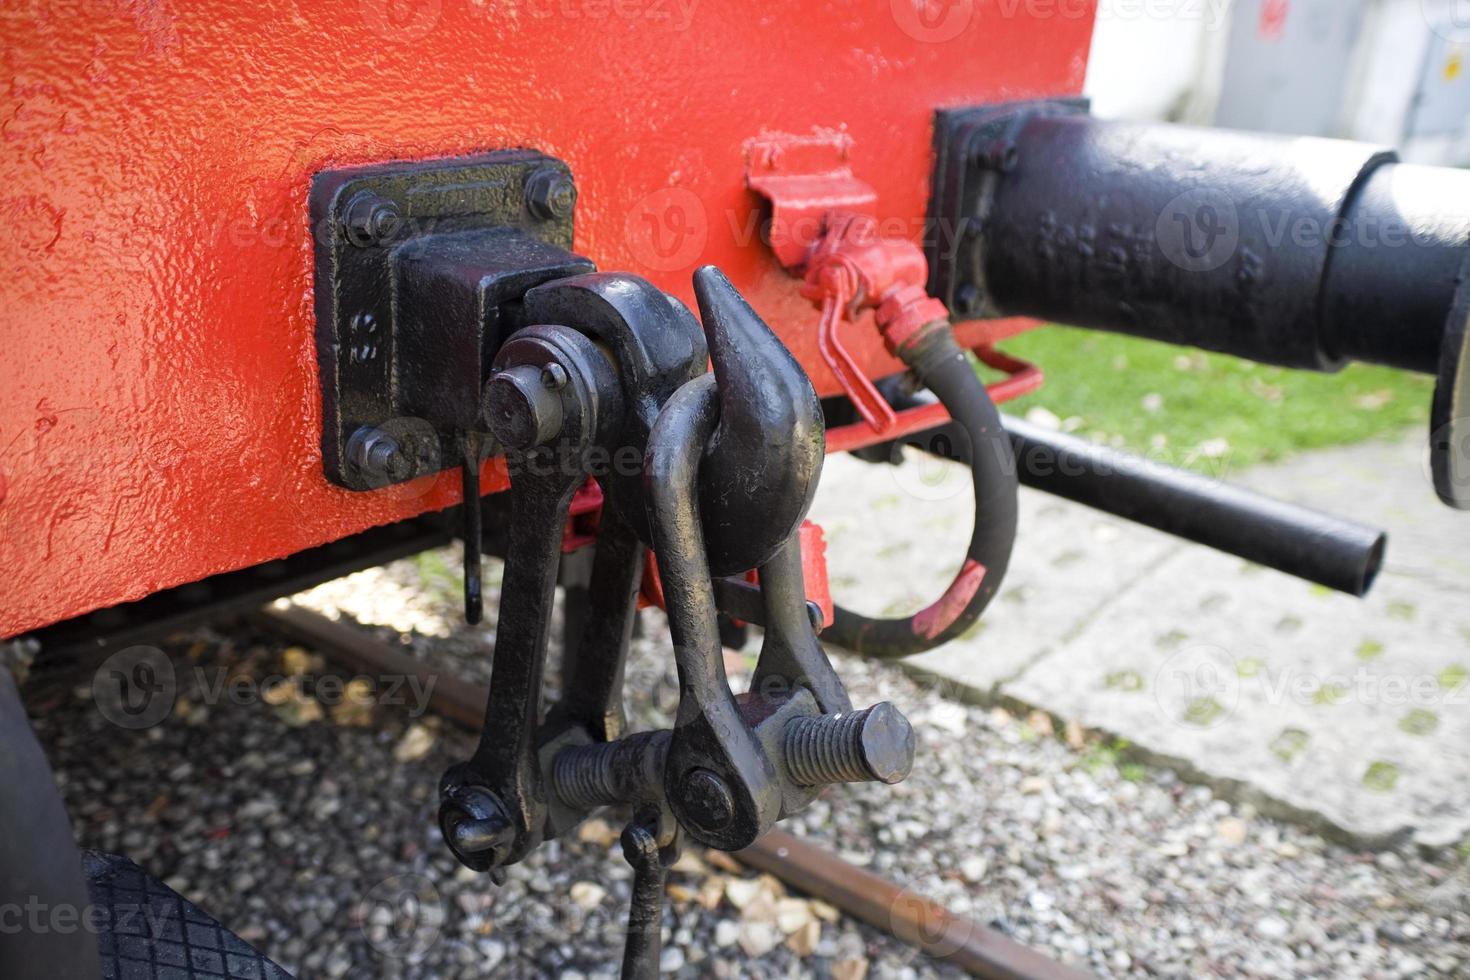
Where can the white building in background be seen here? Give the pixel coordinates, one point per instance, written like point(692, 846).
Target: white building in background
point(1385, 71)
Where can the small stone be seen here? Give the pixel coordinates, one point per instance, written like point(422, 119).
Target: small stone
point(690, 864)
point(587, 895)
point(1272, 928)
point(492, 952)
point(414, 745)
point(279, 693)
point(803, 942)
point(740, 892)
point(599, 832)
point(355, 710)
point(793, 914)
point(711, 890)
point(1232, 830)
point(1076, 736)
point(727, 932)
point(852, 969)
point(1410, 966)
point(255, 809)
point(761, 909)
point(973, 868)
point(671, 960)
point(772, 885)
point(823, 911)
point(758, 938)
point(724, 862)
point(296, 661)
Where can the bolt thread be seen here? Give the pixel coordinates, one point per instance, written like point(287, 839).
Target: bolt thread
point(581, 778)
point(628, 770)
point(828, 749)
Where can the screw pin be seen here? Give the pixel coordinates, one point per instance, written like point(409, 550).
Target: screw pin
point(875, 744)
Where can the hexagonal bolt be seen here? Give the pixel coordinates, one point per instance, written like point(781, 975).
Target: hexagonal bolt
point(370, 219)
point(550, 193)
point(875, 744)
point(379, 456)
point(520, 409)
point(999, 155)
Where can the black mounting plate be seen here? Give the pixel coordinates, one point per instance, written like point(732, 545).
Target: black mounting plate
point(419, 268)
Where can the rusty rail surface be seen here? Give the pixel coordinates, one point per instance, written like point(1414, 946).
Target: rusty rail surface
point(927, 926)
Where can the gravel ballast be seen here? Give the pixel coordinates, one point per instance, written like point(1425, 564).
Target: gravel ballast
point(305, 820)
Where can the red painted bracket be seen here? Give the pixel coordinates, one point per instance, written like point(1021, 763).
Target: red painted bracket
point(583, 518)
point(813, 573)
point(804, 178)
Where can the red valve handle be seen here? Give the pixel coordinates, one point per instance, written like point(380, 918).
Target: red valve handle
point(870, 404)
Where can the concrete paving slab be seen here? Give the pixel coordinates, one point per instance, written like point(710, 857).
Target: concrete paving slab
point(897, 535)
point(1352, 715)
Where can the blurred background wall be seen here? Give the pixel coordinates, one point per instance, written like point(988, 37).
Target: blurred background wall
point(1385, 71)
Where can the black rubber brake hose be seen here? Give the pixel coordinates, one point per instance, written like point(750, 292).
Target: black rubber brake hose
point(942, 366)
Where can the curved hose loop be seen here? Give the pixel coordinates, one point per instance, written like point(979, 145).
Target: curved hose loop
point(942, 366)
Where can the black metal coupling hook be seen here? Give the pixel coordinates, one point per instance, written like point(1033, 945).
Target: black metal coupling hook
point(764, 457)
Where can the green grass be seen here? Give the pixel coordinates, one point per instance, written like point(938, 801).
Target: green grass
point(1103, 755)
point(1178, 404)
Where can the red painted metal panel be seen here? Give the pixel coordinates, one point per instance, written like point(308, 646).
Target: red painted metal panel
point(159, 413)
